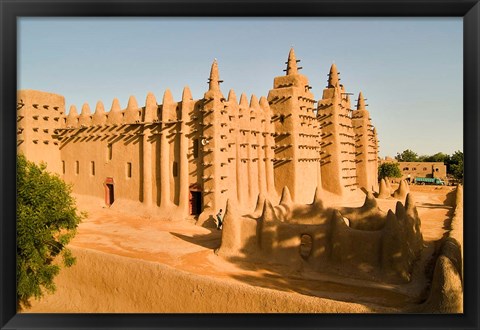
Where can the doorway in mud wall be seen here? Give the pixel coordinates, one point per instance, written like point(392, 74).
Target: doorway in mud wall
point(109, 191)
point(195, 202)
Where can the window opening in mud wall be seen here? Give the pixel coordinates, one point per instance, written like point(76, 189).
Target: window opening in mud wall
point(92, 168)
point(109, 151)
point(63, 166)
point(129, 170)
point(305, 245)
point(77, 167)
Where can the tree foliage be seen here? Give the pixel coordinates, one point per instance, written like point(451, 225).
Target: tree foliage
point(439, 157)
point(407, 156)
point(46, 221)
point(455, 165)
point(389, 170)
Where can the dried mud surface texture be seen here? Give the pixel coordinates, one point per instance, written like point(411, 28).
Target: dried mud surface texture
point(135, 264)
point(102, 282)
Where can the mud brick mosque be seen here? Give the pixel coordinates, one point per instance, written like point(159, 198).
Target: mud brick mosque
point(188, 157)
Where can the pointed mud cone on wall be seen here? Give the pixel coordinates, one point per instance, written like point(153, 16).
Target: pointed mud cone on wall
point(286, 198)
point(402, 190)
point(186, 94)
point(394, 258)
point(115, 116)
point(230, 231)
point(264, 105)
point(169, 112)
point(254, 104)
point(414, 223)
point(384, 191)
point(406, 233)
point(389, 186)
point(72, 118)
point(85, 118)
point(268, 228)
point(232, 97)
point(446, 293)
point(243, 101)
point(268, 212)
point(151, 108)
point(317, 198)
point(99, 117)
point(131, 113)
point(370, 201)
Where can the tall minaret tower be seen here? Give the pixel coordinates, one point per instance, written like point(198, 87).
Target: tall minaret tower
point(361, 124)
point(296, 148)
point(213, 147)
point(338, 137)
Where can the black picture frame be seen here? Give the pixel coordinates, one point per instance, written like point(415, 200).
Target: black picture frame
point(10, 10)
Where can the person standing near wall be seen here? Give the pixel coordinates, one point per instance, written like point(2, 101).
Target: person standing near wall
point(219, 219)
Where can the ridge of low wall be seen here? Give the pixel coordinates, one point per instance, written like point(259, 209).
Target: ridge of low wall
point(446, 292)
point(101, 282)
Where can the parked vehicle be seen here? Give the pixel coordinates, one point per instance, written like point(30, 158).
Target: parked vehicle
point(434, 181)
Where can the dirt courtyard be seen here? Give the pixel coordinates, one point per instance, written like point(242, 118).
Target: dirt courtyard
point(119, 240)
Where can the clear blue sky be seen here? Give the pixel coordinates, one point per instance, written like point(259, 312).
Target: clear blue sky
point(409, 69)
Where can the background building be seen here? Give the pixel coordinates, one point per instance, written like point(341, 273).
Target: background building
point(419, 169)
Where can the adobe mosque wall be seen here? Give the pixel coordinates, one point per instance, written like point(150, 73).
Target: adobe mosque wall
point(39, 114)
point(177, 158)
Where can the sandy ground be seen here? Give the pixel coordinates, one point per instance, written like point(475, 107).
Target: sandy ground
point(177, 260)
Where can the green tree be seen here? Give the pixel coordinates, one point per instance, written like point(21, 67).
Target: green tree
point(455, 165)
point(46, 221)
point(407, 156)
point(439, 157)
point(389, 170)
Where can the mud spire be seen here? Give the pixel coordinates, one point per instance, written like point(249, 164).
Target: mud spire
point(292, 63)
point(132, 103)
point(115, 116)
point(333, 80)
point(151, 101)
point(214, 80)
point(73, 111)
point(254, 102)
point(72, 117)
point(85, 110)
point(99, 108)
point(232, 96)
point(286, 198)
point(99, 117)
point(360, 102)
point(131, 113)
point(115, 106)
point(85, 116)
point(186, 94)
point(167, 97)
point(264, 104)
point(243, 101)
point(151, 108)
